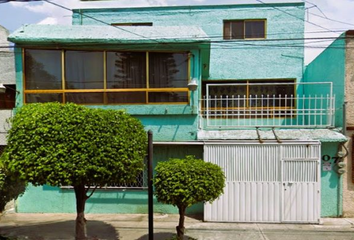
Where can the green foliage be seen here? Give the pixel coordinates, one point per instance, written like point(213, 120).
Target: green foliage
point(10, 187)
point(184, 182)
point(67, 144)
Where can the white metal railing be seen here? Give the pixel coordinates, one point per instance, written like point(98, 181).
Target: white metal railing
point(283, 110)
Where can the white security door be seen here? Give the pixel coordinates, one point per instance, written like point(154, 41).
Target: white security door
point(301, 183)
point(266, 182)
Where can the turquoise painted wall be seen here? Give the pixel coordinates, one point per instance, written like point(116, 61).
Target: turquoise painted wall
point(243, 59)
point(331, 184)
point(329, 66)
point(56, 200)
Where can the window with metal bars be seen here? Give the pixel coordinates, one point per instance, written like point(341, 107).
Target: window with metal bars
point(250, 99)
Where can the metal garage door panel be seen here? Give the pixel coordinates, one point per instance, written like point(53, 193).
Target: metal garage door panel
point(266, 182)
point(253, 185)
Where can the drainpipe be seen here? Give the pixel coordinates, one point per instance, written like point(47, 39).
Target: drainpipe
point(341, 170)
point(340, 164)
point(345, 118)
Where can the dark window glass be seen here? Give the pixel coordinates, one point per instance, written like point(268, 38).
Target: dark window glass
point(84, 98)
point(254, 29)
point(155, 97)
point(279, 95)
point(43, 69)
point(237, 30)
point(7, 99)
point(44, 97)
point(126, 70)
point(83, 70)
point(127, 97)
point(168, 70)
point(244, 29)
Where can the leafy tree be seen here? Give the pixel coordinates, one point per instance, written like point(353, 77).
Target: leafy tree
point(10, 187)
point(184, 182)
point(66, 144)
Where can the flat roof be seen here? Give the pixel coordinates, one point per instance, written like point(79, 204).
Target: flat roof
point(81, 34)
point(239, 3)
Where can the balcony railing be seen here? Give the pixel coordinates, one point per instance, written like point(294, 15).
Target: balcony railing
point(299, 110)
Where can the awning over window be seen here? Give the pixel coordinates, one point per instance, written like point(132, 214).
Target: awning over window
point(88, 34)
point(323, 135)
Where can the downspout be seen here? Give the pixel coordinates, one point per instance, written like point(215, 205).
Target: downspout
point(340, 164)
point(344, 131)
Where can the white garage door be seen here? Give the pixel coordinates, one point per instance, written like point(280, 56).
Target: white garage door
point(266, 182)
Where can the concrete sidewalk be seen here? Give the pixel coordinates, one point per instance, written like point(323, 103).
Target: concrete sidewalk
point(135, 226)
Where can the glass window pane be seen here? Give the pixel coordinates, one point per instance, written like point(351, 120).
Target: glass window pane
point(126, 70)
point(84, 98)
point(127, 97)
point(236, 95)
point(279, 94)
point(155, 97)
point(43, 69)
point(255, 29)
point(227, 30)
point(83, 70)
point(237, 29)
point(168, 70)
point(44, 97)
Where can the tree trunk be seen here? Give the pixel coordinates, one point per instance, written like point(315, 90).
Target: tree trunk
point(180, 228)
point(80, 230)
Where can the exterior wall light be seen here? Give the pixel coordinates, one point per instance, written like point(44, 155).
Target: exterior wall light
point(3, 88)
point(193, 85)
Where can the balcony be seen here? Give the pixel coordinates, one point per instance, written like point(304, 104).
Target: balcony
point(280, 105)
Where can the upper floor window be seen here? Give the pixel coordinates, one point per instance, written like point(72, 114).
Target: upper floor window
point(244, 29)
point(106, 77)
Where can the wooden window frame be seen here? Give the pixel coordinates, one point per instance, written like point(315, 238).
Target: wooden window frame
point(244, 21)
point(105, 90)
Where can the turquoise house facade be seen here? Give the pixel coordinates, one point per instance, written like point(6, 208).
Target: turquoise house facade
point(335, 64)
point(224, 83)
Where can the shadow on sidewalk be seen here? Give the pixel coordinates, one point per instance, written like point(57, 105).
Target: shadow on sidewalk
point(58, 230)
point(163, 236)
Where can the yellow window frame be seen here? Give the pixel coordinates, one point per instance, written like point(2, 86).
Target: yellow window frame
point(105, 90)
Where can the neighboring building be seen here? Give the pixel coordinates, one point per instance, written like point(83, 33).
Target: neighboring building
point(251, 112)
point(336, 64)
point(7, 78)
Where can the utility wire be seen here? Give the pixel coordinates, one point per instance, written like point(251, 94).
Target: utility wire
point(260, 1)
point(319, 9)
point(98, 20)
point(333, 20)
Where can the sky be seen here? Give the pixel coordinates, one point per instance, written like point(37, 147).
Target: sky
point(324, 18)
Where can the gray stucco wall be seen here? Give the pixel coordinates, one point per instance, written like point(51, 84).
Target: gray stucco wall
point(7, 61)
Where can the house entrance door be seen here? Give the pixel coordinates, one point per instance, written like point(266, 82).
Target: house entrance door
point(267, 182)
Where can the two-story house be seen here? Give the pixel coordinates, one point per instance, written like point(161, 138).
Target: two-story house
point(224, 83)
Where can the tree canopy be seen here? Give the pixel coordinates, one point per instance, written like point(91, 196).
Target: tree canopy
point(184, 182)
point(10, 187)
point(68, 144)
